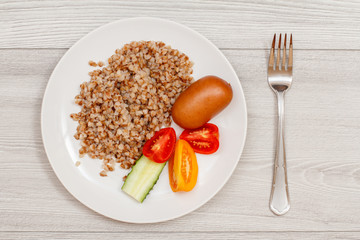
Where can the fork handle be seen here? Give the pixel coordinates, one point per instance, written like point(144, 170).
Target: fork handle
point(279, 198)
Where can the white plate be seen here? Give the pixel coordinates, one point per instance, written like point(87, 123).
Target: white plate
point(103, 194)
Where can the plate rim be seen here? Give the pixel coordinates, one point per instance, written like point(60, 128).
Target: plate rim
point(245, 113)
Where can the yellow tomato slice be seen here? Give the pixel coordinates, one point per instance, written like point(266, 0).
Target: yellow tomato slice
point(172, 177)
point(183, 168)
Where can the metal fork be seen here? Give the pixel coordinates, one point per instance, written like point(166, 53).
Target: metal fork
point(280, 78)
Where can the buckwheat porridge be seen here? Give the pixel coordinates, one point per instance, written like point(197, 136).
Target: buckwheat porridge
point(127, 100)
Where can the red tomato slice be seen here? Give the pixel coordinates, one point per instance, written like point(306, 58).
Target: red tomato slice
point(161, 146)
point(204, 139)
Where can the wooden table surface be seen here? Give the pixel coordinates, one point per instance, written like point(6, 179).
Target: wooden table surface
point(322, 119)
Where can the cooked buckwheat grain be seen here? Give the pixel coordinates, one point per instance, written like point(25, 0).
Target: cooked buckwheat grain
point(125, 102)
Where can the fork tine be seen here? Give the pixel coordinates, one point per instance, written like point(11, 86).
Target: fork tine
point(271, 58)
point(290, 63)
point(278, 54)
point(284, 53)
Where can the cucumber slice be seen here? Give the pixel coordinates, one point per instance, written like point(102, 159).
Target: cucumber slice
point(142, 178)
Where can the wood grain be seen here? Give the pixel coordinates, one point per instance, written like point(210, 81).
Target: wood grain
point(322, 119)
point(229, 24)
point(182, 235)
point(323, 137)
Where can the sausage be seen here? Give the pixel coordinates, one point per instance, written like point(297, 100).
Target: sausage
point(201, 101)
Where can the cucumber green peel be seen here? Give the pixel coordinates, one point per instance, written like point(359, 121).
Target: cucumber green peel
point(142, 178)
